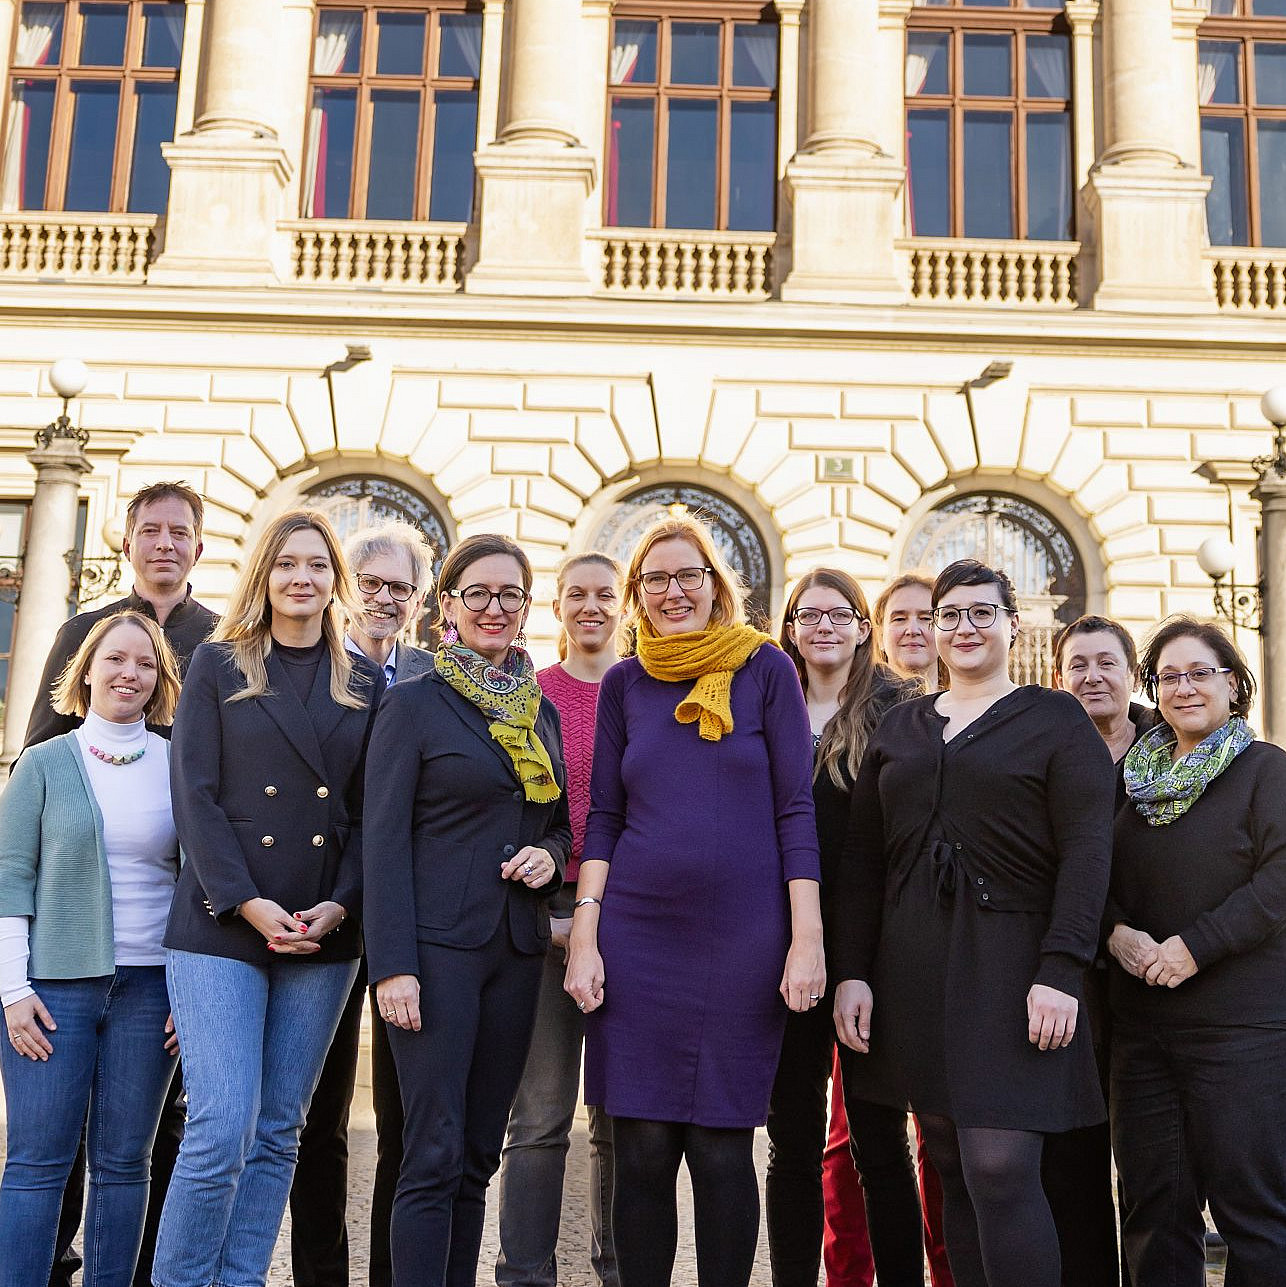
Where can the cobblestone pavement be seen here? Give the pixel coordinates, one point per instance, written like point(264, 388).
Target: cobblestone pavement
point(573, 1254)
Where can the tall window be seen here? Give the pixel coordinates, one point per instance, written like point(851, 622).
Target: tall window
point(989, 128)
point(393, 117)
point(92, 96)
point(1241, 81)
point(692, 137)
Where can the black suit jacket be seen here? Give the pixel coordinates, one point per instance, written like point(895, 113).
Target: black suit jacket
point(444, 811)
point(188, 624)
point(412, 661)
point(268, 803)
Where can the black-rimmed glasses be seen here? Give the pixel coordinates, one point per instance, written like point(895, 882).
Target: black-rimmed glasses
point(838, 617)
point(981, 615)
point(687, 578)
point(402, 591)
point(477, 598)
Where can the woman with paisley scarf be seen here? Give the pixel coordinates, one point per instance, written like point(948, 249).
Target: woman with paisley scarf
point(467, 835)
point(1197, 911)
point(698, 922)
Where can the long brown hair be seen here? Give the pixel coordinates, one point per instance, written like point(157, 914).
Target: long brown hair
point(247, 624)
point(868, 691)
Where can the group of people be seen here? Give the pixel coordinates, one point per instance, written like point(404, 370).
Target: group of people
point(730, 871)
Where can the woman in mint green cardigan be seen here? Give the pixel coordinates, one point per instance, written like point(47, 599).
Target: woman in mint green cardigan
point(88, 861)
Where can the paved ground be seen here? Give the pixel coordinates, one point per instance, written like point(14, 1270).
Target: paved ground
point(573, 1257)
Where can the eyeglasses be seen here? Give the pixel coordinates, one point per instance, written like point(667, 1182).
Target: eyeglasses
point(477, 598)
point(1197, 675)
point(688, 579)
point(981, 615)
point(399, 590)
point(836, 616)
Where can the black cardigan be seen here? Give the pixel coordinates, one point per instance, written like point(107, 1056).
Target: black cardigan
point(1216, 877)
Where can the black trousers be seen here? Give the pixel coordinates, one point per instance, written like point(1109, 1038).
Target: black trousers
point(1201, 1110)
point(319, 1194)
point(165, 1149)
point(797, 1130)
point(459, 1076)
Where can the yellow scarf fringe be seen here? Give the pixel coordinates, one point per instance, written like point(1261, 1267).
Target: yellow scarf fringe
point(711, 657)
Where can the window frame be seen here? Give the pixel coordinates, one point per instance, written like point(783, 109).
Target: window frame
point(1245, 29)
point(730, 15)
point(128, 75)
point(365, 81)
point(957, 20)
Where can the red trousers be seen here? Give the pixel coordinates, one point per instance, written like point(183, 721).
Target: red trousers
point(846, 1249)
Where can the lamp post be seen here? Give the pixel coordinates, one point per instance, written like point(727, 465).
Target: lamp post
point(1270, 492)
point(47, 574)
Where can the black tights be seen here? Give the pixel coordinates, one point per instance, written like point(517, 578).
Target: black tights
point(725, 1201)
point(998, 1226)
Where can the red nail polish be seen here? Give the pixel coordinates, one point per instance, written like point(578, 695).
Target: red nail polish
point(271, 948)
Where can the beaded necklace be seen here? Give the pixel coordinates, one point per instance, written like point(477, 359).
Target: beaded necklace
point(108, 758)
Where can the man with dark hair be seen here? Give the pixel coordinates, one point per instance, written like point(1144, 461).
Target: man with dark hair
point(162, 542)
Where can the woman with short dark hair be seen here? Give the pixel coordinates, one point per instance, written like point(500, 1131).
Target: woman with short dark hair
point(467, 836)
point(1199, 1014)
point(967, 912)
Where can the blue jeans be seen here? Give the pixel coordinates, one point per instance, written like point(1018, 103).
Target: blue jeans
point(109, 1061)
point(254, 1039)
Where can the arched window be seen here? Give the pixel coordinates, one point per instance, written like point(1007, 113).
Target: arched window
point(393, 111)
point(989, 126)
point(1029, 546)
point(692, 131)
point(92, 97)
point(1241, 82)
point(737, 537)
point(363, 500)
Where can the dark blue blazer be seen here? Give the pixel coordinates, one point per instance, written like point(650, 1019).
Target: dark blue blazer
point(268, 803)
point(444, 810)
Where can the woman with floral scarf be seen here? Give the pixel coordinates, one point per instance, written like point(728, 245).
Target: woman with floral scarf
point(469, 835)
point(1196, 915)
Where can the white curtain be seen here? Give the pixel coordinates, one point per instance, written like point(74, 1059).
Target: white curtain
point(468, 36)
point(624, 59)
point(760, 43)
point(335, 31)
point(35, 35)
point(1207, 78)
point(1047, 71)
point(917, 70)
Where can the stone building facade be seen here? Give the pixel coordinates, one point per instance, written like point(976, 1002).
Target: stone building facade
point(833, 387)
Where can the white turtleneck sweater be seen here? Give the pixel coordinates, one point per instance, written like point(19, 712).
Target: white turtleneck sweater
point(142, 849)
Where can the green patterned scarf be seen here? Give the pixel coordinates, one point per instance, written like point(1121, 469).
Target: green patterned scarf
point(510, 699)
point(1163, 788)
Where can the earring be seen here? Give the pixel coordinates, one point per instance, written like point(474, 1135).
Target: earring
point(450, 635)
point(520, 639)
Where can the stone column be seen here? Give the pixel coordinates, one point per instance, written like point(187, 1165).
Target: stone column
point(1081, 17)
point(1146, 209)
point(844, 184)
point(229, 173)
point(295, 66)
point(533, 181)
point(492, 74)
point(596, 53)
point(1271, 495)
point(46, 578)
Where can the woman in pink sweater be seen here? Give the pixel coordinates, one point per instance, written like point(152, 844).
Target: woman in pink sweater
point(588, 605)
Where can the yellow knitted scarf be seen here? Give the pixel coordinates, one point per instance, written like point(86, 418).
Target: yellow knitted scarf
point(711, 657)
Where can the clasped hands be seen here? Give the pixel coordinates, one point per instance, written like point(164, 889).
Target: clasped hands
point(287, 935)
point(1163, 965)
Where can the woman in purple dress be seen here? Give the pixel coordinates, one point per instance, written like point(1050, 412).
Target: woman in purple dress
point(698, 913)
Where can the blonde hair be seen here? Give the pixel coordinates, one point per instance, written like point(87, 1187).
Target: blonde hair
point(729, 590)
point(70, 693)
point(247, 623)
point(590, 558)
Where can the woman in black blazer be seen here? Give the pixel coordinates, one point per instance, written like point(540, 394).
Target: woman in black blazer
point(268, 750)
point(467, 833)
